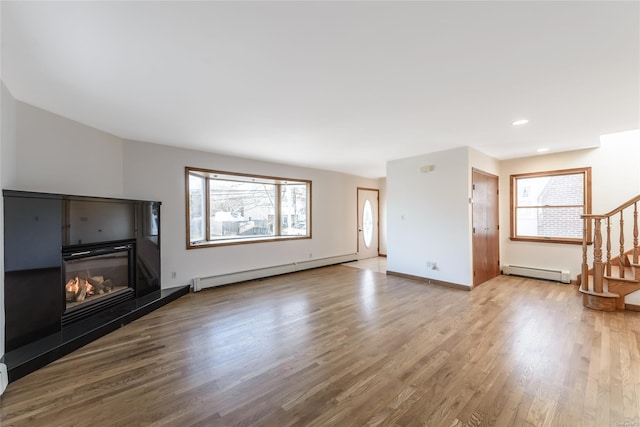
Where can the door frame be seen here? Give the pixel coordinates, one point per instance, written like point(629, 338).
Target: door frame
point(358, 217)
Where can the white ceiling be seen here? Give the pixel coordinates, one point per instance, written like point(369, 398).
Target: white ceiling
point(343, 86)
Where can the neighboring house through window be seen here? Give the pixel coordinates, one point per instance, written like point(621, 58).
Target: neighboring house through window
point(230, 208)
point(546, 206)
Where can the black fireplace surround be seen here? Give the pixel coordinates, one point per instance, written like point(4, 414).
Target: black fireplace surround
point(75, 268)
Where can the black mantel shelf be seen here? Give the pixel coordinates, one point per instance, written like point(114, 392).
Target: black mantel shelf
point(37, 354)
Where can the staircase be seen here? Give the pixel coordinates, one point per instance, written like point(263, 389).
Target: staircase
point(605, 285)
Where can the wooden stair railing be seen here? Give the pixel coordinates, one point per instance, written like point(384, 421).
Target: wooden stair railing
point(605, 285)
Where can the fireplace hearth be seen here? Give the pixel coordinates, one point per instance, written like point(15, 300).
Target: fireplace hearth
point(75, 268)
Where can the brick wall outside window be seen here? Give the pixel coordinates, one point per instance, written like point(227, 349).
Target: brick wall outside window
point(561, 222)
point(547, 206)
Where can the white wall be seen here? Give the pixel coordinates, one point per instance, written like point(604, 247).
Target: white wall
point(7, 166)
point(615, 179)
point(156, 172)
point(481, 161)
point(428, 216)
point(58, 155)
point(382, 216)
point(8, 143)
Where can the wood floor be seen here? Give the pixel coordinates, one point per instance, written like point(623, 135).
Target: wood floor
point(341, 346)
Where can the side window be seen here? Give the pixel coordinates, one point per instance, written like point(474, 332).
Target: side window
point(546, 206)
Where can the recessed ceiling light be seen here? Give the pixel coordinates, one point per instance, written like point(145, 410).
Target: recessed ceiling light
point(542, 150)
point(520, 122)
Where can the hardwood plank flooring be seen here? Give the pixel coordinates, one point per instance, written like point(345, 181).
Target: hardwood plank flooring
point(341, 346)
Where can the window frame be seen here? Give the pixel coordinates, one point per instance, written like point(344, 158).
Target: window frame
point(247, 178)
point(513, 197)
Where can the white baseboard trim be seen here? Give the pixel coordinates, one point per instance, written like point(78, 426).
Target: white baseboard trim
point(537, 273)
point(4, 378)
point(322, 262)
point(200, 283)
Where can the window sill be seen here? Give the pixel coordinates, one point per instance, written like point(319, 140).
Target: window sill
point(243, 241)
point(548, 240)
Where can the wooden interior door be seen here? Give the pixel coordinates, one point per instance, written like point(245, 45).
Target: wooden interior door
point(486, 240)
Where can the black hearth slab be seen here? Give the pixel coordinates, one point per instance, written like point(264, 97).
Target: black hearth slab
point(37, 354)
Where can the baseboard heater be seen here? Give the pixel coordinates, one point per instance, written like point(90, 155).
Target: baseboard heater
point(537, 273)
point(200, 283)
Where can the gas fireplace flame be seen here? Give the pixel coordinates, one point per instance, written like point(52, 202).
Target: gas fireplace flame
point(78, 289)
point(73, 285)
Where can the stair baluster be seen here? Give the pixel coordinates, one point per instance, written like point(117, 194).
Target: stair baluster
point(608, 247)
point(622, 257)
point(606, 290)
point(636, 250)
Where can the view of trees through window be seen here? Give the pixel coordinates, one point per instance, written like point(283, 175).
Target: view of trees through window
point(548, 205)
point(224, 206)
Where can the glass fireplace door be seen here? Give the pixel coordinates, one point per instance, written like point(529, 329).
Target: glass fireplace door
point(94, 276)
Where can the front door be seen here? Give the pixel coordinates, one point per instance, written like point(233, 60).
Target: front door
point(486, 252)
point(367, 223)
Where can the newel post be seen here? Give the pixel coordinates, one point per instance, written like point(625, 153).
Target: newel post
point(598, 274)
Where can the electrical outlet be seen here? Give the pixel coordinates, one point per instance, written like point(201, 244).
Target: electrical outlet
point(174, 274)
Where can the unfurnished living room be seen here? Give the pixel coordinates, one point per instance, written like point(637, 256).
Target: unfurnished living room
point(320, 213)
